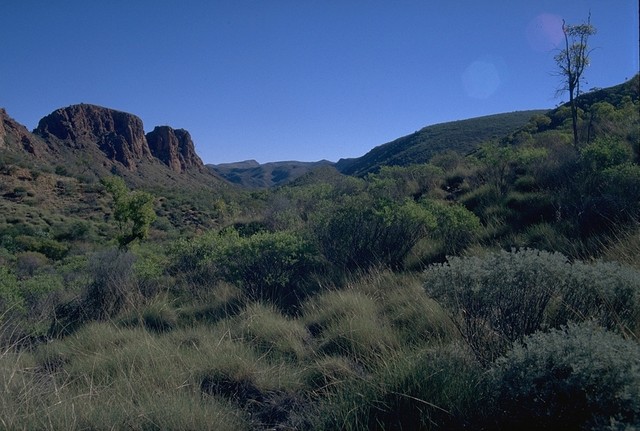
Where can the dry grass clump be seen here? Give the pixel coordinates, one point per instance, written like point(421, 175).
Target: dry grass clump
point(278, 336)
point(625, 249)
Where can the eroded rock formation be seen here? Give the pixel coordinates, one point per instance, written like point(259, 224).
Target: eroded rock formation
point(174, 148)
point(119, 135)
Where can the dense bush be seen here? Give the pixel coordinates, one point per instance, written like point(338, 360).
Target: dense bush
point(496, 299)
point(274, 266)
point(114, 286)
point(499, 298)
point(606, 292)
point(363, 233)
point(574, 378)
point(456, 227)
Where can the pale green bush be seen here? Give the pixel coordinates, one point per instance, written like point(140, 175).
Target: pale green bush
point(497, 299)
point(501, 297)
point(576, 377)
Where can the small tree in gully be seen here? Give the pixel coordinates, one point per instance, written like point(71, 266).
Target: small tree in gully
point(132, 210)
point(572, 60)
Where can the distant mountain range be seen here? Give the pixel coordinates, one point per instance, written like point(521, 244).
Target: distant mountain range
point(252, 174)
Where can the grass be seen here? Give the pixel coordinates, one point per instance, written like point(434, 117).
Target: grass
point(424, 389)
point(264, 327)
point(253, 367)
point(377, 353)
point(625, 248)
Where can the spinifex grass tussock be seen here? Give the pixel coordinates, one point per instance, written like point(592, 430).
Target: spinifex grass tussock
point(374, 316)
point(279, 337)
point(433, 388)
point(330, 373)
point(158, 316)
point(350, 323)
point(625, 248)
point(128, 378)
point(416, 317)
point(210, 304)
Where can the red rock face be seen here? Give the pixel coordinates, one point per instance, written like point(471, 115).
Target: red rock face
point(174, 148)
point(119, 135)
point(14, 135)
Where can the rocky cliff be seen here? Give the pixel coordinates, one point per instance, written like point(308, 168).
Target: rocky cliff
point(15, 136)
point(119, 135)
point(174, 148)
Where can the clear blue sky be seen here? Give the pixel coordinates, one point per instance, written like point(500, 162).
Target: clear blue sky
point(299, 79)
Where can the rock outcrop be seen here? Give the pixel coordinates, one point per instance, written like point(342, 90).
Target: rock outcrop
point(119, 135)
point(174, 148)
point(14, 135)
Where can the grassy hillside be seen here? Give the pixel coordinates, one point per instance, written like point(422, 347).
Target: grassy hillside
point(497, 290)
point(460, 136)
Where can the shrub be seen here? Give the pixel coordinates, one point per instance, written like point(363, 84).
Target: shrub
point(456, 227)
point(10, 297)
point(499, 298)
point(606, 292)
point(29, 262)
point(576, 377)
point(271, 266)
point(113, 287)
point(363, 233)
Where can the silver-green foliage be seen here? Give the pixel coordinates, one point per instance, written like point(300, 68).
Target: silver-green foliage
point(576, 377)
point(499, 298)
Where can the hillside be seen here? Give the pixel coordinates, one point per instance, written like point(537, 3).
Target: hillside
point(50, 178)
point(251, 174)
point(460, 136)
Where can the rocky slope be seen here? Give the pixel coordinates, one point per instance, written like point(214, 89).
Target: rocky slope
point(461, 136)
point(15, 137)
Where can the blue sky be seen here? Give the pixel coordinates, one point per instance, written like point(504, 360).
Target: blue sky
point(300, 79)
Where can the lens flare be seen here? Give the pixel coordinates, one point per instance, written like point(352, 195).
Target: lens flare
point(481, 79)
point(544, 32)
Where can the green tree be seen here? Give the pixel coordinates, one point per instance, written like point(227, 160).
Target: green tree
point(572, 60)
point(133, 210)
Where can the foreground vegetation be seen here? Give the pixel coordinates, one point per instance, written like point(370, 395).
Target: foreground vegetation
point(496, 290)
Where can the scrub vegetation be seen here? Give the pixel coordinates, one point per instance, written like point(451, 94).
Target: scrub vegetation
point(494, 289)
